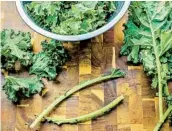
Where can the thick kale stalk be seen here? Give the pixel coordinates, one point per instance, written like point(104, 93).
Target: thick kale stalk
point(148, 41)
point(166, 114)
point(18, 88)
point(115, 73)
point(89, 116)
point(15, 46)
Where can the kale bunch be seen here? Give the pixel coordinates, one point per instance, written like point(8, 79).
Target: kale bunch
point(15, 46)
point(48, 62)
point(70, 17)
point(148, 40)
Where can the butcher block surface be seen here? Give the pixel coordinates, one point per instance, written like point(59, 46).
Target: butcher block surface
point(89, 59)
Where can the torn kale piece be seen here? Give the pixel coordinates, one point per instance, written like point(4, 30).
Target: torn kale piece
point(15, 46)
point(48, 62)
point(20, 88)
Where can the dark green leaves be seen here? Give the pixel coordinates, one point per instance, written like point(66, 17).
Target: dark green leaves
point(15, 46)
point(70, 17)
point(148, 40)
point(148, 37)
point(18, 88)
point(48, 62)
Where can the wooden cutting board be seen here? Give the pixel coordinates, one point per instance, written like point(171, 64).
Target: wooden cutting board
point(138, 112)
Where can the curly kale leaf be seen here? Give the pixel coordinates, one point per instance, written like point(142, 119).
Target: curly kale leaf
point(18, 88)
point(148, 38)
point(15, 46)
point(42, 66)
point(70, 17)
point(48, 62)
point(56, 51)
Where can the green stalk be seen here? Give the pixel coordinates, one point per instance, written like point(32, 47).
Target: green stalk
point(158, 64)
point(159, 124)
point(89, 116)
point(115, 73)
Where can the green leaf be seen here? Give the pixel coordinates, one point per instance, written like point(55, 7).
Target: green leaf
point(166, 42)
point(48, 62)
point(42, 66)
point(15, 46)
point(18, 88)
point(148, 60)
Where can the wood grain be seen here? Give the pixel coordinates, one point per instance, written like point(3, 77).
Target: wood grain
point(89, 59)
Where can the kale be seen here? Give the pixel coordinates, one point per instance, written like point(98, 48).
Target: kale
point(70, 17)
point(18, 88)
point(148, 40)
point(48, 62)
point(15, 46)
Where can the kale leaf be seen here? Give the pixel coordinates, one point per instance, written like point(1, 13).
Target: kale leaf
point(148, 40)
point(48, 62)
point(15, 46)
point(148, 37)
point(70, 17)
point(18, 88)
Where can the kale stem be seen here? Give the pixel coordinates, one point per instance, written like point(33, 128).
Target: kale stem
point(89, 116)
point(159, 124)
point(159, 81)
point(158, 64)
point(115, 73)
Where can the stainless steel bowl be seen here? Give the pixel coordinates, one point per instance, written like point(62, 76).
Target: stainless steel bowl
point(122, 7)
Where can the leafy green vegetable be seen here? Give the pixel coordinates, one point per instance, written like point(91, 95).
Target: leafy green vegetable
point(148, 40)
point(114, 73)
point(49, 61)
point(15, 46)
point(17, 88)
point(42, 66)
point(70, 17)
